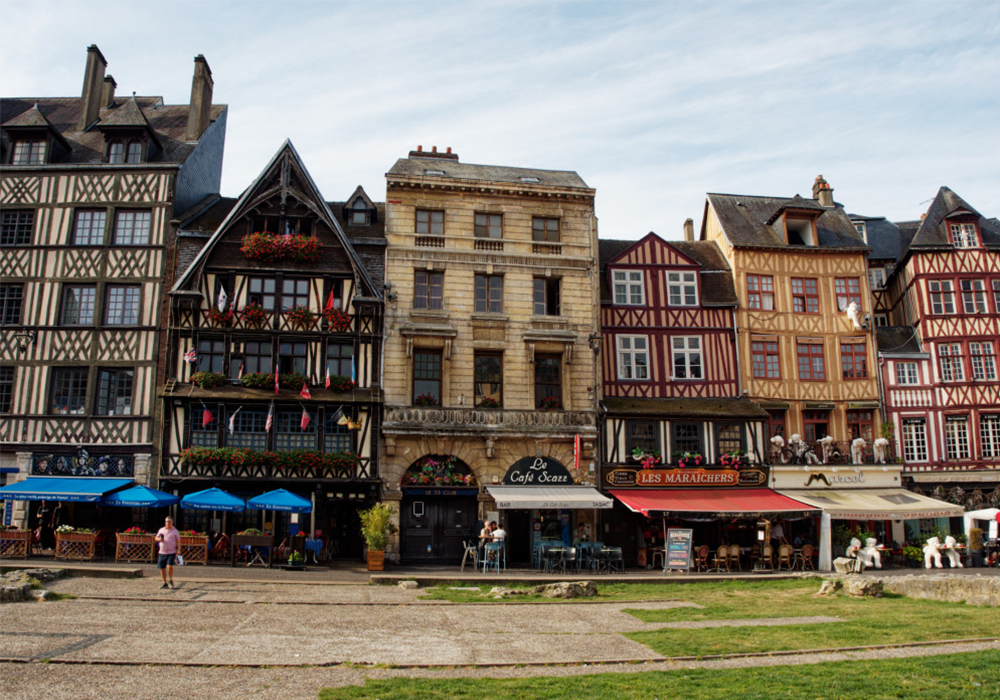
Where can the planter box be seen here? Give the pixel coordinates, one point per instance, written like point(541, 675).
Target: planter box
point(252, 541)
point(194, 549)
point(78, 546)
point(376, 560)
point(15, 543)
point(135, 548)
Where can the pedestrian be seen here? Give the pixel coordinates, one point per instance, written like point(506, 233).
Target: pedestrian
point(44, 523)
point(169, 538)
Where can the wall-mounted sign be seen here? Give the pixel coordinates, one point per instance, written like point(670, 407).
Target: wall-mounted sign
point(673, 478)
point(537, 471)
point(440, 492)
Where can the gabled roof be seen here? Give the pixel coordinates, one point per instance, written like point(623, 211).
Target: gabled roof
point(745, 222)
point(359, 192)
point(34, 119)
point(454, 170)
point(897, 340)
point(129, 115)
point(264, 187)
point(933, 230)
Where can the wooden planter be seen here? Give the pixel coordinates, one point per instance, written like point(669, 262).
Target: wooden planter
point(252, 541)
point(15, 544)
point(79, 546)
point(135, 548)
point(376, 560)
point(194, 549)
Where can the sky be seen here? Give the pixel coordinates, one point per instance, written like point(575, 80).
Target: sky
point(653, 104)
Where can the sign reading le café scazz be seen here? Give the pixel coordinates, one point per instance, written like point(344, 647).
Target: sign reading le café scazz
point(618, 476)
point(537, 471)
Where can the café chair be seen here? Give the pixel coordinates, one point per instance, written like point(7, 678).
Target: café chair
point(721, 558)
point(471, 550)
point(785, 556)
point(767, 557)
point(491, 556)
point(614, 560)
point(805, 557)
point(701, 558)
point(734, 557)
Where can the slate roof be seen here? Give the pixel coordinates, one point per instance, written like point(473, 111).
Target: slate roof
point(897, 340)
point(454, 170)
point(744, 220)
point(684, 408)
point(169, 122)
point(884, 237)
point(933, 230)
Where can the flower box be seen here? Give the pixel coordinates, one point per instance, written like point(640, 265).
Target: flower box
point(135, 547)
point(255, 316)
point(15, 544)
point(79, 546)
point(194, 549)
point(301, 316)
point(337, 320)
point(208, 380)
point(268, 247)
point(375, 560)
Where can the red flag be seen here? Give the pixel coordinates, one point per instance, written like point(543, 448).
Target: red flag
point(241, 371)
point(206, 416)
point(304, 423)
point(327, 376)
point(270, 419)
point(329, 302)
point(275, 380)
point(305, 391)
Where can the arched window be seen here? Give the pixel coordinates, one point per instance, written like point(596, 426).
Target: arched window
point(116, 152)
point(134, 152)
point(359, 213)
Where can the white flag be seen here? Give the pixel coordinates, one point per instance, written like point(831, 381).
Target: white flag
point(232, 420)
point(223, 299)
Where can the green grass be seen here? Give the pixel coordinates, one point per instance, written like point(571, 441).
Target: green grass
point(967, 676)
point(606, 593)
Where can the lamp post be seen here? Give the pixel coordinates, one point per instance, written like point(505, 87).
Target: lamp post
point(24, 338)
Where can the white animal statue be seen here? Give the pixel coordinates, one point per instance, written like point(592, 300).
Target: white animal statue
point(871, 556)
point(827, 444)
point(953, 556)
point(858, 450)
point(881, 444)
point(854, 313)
point(932, 552)
point(777, 444)
point(857, 564)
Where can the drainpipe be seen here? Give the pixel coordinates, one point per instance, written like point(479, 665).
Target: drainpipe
point(736, 350)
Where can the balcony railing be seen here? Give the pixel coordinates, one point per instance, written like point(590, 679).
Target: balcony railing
point(174, 467)
point(476, 420)
point(831, 452)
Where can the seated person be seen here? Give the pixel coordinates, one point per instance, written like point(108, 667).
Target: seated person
point(581, 534)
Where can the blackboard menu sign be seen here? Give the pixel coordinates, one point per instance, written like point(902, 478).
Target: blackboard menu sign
point(678, 549)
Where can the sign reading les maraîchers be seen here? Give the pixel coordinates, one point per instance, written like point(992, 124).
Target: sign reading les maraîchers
point(678, 549)
point(537, 471)
point(673, 478)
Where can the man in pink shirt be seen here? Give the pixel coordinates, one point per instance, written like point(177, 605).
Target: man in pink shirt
point(169, 538)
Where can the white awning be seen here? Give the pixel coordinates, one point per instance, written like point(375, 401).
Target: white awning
point(547, 497)
point(875, 504)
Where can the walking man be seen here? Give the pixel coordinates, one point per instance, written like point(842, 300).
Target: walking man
point(169, 539)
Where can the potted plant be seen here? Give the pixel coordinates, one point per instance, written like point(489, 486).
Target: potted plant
point(222, 319)
point(648, 458)
point(296, 560)
point(376, 526)
point(254, 315)
point(488, 402)
point(427, 399)
point(301, 316)
point(914, 556)
point(340, 384)
point(337, 320)
point(208, 380)
point(976, 546)
point(549, 403)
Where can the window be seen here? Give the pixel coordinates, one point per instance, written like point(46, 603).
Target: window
point(862, 229)
point(336, 437)
point(950, 359)
point(489, 226)
point(760, 292)
point(914, 440)
point(854, 360)
point(544, 229)
point(686, 354)
point(134, 152)
point(628, 289)
point(816, 425)
point(427, 374)
point(69, 391)
point(877, 277)
point(860, 424)
point(546, 296)
point(11, 299)
point(942, 297)
point(489, 378)
point(548, 380)
point(682, 289)
point(289, 434)
point(132, 227)
point(489, 294)
point(206, 435)
point(359, 212)
point(906, 373)
point(116, 152)
point(6, 389)
point(765, 359)
point(848, 289)
point(811, 365)
point(261, 291)
point(254, 358)
point(114, 392)
point(292, 357)
point(956, 436)
point(805, 296)
point(428, 289)
point(989, 433)
point(973, 296)
point(16, 227)
point(775, 423)
point(211, 354)
point(687, 437)
point(294, 293)
point(78, 305)
point(633, 357)
point(641, 434)
point(963, 235)
point(340, 359)
point(881, 321)
point(121, 305)
point(996, 296)
point(429, 223)
point(984, 368)
point(249, 429)
point(88, 229)
point(28, 153)
point(729, 438)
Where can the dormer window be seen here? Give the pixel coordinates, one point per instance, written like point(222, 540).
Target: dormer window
point(800, 232)
point(963, 235)
point(359, 213)
point(120, 151)
point(862, 229)
point(134, 154)
point(28, 153)
point(116, 152)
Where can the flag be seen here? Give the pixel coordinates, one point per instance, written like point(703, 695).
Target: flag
point(232, 420)
point(328, 376)
point(270, 419)
point(223, 299)
point(206, 416)
point(241, 371)
point(304, 423)
point(329, 302)
point(275, 380)
point(305, 391)
point(354, 376)
point(191, 356)
point(339, 418)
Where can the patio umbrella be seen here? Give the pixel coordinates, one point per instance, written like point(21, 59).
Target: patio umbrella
point(138, 496)
point(213, 499)
point(280, 499)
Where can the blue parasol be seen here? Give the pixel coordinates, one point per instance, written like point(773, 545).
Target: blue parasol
point(280, 499)
point(213, 499)
point(138, 496)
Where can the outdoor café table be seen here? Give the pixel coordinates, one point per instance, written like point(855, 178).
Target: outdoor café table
point(256, 543)
point(552, 556)
point(314, 547)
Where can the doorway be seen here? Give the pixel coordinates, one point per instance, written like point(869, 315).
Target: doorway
point(434, 527)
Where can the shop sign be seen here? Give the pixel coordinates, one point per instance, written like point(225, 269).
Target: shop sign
point(537, 471)
point(678, 549)
point(824, 479)
point(624, 476)
point(441, 492)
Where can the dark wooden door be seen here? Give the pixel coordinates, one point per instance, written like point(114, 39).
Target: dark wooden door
point(433, 528)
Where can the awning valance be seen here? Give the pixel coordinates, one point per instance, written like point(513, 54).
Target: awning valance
point(53, 488)
point(718, 503)
point(543, 497)
point(875, 504)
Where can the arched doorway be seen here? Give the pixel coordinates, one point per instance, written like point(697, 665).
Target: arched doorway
point(438, 510)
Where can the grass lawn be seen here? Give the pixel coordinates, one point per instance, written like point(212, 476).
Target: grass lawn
point(948, 677)
point(606, 592)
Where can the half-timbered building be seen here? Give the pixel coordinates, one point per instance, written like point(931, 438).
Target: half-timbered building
point(274, 353)
point(89, 187)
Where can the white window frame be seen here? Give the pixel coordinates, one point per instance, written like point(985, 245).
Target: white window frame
point(633, 357)
point(989, 434)
point(686, 286)
point(950, 362)
point(914, 440)
point(983, 361)
point(625, 284)
point(963, 235)
point(877, 277)
point(956, 437)
point(907, 371)
point(687, 348)
point(973, 296)
point(946, 303)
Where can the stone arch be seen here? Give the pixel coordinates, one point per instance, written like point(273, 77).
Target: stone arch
point(438, 470)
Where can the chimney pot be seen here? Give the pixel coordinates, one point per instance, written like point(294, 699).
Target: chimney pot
point(434, 149)
point(93, 87)
point(420, 149)
point(449, 149)
point(823, 192)
point(108, 95)
point(689, 230)
point(200, 110)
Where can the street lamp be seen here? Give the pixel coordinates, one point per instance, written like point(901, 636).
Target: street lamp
point(595, 342)
point(25, 338)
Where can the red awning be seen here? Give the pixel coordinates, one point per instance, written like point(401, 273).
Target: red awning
point(717, 503)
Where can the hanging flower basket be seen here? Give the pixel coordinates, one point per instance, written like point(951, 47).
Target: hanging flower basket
point(267, 247)
point(427, 399)
point(208, 380)
point(443, 471)
point(301, 316)
point(254, 315)
point(337, 320)
point(222, 319)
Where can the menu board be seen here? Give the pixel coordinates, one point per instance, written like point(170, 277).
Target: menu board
point(678, 549)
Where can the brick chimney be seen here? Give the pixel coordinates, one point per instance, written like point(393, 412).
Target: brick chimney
point(823, 192)
point(93, 87)
point(433, 153)
point(108, 95)
point(689, 230)
point(200, 111)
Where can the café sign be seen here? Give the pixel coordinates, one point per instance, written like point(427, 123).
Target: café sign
point(716, 478)
point(537, 471)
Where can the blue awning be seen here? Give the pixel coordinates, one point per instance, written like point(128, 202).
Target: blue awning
point(280, 499)
point(53, 488)
point(214, 499)
point(139, 496)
